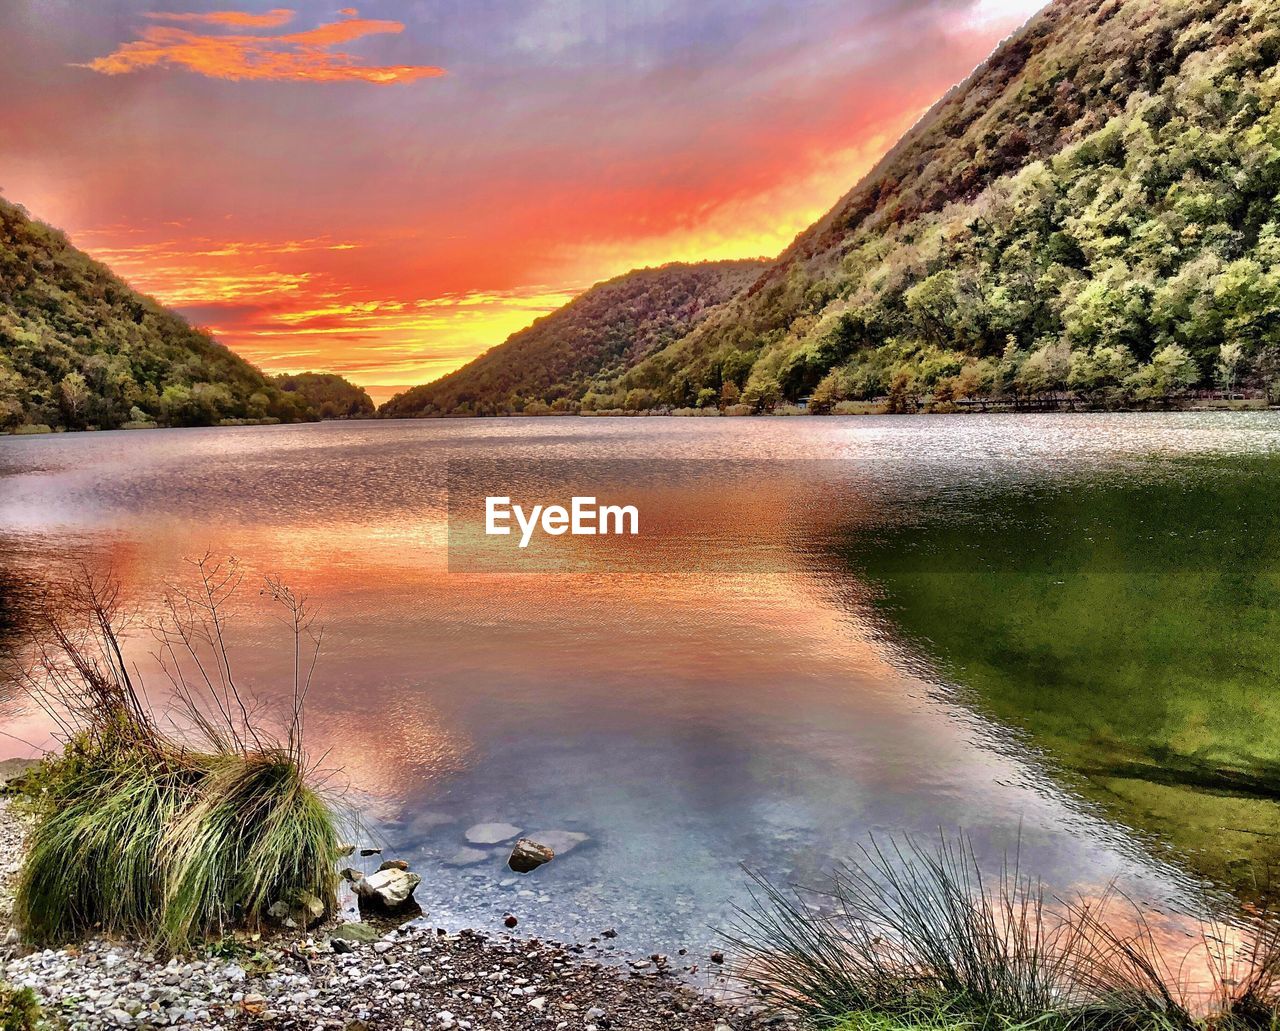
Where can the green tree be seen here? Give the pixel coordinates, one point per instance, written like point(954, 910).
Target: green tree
point(1045, 370)
point(1266, 369)
point(763, 392)
point(1230, 363)
point(1170, 374)
point(74, 395)
point(1101, 375)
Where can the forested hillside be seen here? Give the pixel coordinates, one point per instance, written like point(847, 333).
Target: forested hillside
point(79, 348)
point(1095, 211)
point(328, 395)
point(562, 360)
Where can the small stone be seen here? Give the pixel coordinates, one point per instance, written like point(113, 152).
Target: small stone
point(393, 864)
point(717, 957)
point(355, 931)
point(528, 855)
point(366, 852)
point(345, 849)
point(511, 921)
point(391, 890)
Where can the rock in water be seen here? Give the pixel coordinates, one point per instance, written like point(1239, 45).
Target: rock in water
point(388, 889)
point(425, 823)
point(467, 857)
point(561, 842)
point(492, 833)
point(529, 855)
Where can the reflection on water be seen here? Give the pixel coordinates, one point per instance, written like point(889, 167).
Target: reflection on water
point(1127, 625)
point(685, 722)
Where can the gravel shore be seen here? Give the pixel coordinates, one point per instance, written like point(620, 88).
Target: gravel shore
point(413, 977)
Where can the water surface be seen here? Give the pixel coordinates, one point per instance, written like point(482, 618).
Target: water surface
point(770, 712)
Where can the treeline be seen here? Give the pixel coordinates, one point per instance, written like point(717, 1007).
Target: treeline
point(1094, 215)
point(79, 349)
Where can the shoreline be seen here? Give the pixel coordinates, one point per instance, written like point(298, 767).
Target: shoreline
point(864, 411)
point(412, 977)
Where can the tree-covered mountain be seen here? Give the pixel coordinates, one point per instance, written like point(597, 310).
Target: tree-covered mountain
point(328, 395)
point(559, 362)
point(1095, 210)
point(79, 348)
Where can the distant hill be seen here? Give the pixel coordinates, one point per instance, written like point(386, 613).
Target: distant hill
point(328, 395)
point(1094, 212)
point(80, 348)
point(560, 361)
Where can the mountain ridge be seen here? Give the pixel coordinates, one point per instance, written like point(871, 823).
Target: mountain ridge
point(80, 348)
point(1065, 106)
point(1090, 218)
point(554, 363)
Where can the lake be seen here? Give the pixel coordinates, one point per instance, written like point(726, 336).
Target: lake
point(1054, 633)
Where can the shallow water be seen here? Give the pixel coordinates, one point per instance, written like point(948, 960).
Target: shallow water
point(762, 707)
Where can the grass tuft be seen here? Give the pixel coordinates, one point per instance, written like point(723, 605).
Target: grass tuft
point(908, 938)
point(140, 834)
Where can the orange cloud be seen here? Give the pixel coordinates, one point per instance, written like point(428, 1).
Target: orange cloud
point(241, 19)
point(297, 57)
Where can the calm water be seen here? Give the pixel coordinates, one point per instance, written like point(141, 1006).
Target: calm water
point(853, 677)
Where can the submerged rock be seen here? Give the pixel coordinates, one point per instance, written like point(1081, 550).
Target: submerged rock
point(466, 857)
point(390, 890)
point(528, 855)
point(424, 823)
point(492, 833)
point(561, 842)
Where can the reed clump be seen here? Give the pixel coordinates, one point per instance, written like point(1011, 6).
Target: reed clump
point(908, 937)
point(174, 831)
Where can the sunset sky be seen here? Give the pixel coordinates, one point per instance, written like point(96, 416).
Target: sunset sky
point(386, 190)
